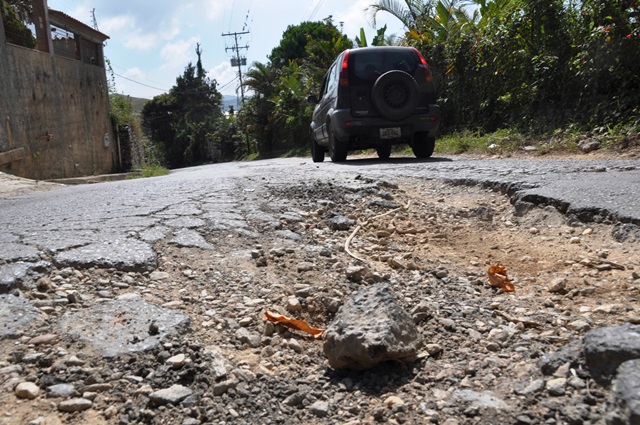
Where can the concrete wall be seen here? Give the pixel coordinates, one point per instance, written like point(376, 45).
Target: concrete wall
point(54, 116)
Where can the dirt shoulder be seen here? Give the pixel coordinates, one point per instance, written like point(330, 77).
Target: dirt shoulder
point(16, 186)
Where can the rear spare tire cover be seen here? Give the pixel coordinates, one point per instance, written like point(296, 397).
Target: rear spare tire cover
point(395, 95)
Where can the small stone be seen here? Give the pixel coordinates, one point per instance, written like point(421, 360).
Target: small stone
point(75, 405)
point(97, 387)
point(245, 322)
point(394, 403)
point(295, 346)
point(173, 395)
point(577, 383)
point(396, 263)
point(305, 267)
point(222, 387)
point(534, 231)
point(293, 305)
point(61, 390)
point(89, 395)
point(433, 349)
point(252, 339)
point(556, 387)
point(74, 361)
point(557, 285)
point(498, 335)
point(45, 339)
point(440, 274)
point(533, 387)
point(74, 298)
point(579, 325)
point(320, 408)
point(177, 361)
point(575, 240)
point(157, 275)
point(27, 390)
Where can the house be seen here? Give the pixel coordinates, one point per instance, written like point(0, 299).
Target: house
point(54, 98)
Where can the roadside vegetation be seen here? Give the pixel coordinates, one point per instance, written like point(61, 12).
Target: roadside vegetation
point(510, 74)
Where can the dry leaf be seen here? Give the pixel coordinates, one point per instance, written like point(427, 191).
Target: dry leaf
point(300, 325)
point(498, 277)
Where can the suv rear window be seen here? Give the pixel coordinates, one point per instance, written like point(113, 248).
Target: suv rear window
point(369, 65)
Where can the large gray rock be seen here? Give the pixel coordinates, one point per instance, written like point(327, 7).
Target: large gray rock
point(370, 328)
point(625, 397)
point(607, 348)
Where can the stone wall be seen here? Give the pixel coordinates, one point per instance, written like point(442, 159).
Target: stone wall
point(54, 116)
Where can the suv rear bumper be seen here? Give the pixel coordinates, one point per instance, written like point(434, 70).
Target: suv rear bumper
point(346, 126)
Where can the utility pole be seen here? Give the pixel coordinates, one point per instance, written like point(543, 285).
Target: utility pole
point(238, 61)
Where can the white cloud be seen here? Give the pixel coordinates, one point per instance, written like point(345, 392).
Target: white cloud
point(118, 23)
point(211, 10)
point(225, 75)
point(179, 53)
point(139, 41)
point(133, 72)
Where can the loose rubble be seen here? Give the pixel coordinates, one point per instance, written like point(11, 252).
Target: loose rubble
point(178, 335)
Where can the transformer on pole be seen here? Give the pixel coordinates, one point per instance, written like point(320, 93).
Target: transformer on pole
point(238, 60)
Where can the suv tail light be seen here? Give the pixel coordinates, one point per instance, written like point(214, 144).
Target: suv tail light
point(344, 70)
point(427, 71)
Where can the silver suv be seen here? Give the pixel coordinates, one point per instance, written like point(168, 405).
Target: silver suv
point(375, 97)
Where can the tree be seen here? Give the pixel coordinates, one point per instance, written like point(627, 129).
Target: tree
point(378, 40)
point(293, 45)
point(277, 115)
point(181, 122)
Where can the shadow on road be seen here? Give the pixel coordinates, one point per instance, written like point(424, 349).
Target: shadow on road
point(378, 161)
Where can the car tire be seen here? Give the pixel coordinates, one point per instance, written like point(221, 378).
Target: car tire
point(423, 145)
point(337, 151)
point(317, 151)
point(395, 95)
point(384, 151)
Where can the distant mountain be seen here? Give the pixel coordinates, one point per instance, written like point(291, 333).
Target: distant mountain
point(230, 101)
point(136, 102)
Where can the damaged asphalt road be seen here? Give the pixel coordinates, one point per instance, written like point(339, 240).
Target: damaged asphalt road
point(141, 301)
point(116, 224)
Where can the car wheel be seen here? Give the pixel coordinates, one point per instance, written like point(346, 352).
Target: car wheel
point(317, 152)
point(337, 150)
point(384, 151)
point(423, 145)
point(395, 95)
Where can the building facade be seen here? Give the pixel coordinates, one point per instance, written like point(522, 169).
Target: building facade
point(54, 98)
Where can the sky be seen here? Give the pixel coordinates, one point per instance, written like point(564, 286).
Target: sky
point(151, 43)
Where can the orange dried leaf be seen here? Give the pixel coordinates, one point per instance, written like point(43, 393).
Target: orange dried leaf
point(498, 277)
point(300, 325)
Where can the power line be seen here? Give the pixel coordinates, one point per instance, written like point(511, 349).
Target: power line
point(137, 82)
point(125, 69)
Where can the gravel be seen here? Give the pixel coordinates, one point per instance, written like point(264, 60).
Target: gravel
point(186, 342)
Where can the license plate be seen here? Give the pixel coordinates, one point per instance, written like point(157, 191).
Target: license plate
point(390, 133)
